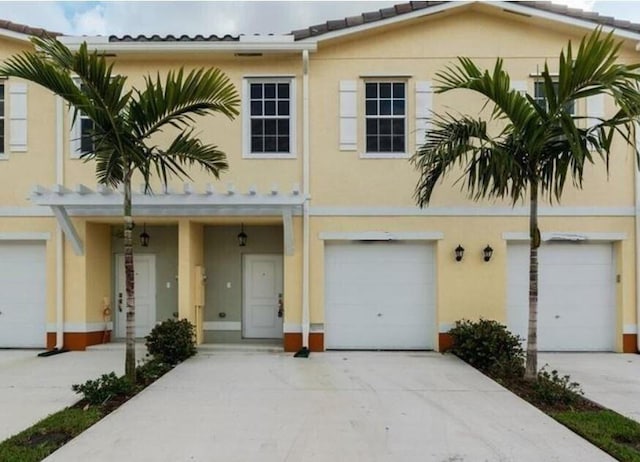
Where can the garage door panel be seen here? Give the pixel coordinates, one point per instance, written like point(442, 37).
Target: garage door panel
point(23, 289)
point(379, 296)
point(576, 303)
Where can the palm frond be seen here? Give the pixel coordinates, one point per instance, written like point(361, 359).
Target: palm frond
point(176, 101)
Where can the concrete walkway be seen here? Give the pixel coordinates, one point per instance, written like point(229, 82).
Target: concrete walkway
point(357, 406)
point(31, 387)
point(610, 379)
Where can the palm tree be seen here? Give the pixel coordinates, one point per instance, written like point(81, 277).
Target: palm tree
point(124, 121)
point(529, 146)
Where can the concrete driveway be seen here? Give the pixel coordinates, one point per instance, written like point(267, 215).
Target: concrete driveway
point(31, 387)
point(339, 406)
point(611, 379)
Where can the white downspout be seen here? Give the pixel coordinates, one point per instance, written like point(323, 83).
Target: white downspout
point(305, 205)
point(637, 238)
point(59, 235)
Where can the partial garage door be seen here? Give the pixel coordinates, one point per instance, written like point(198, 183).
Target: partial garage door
point(576, 304)
point(379, 295)
point(22, 295)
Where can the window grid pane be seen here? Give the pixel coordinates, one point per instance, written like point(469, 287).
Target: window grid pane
point(270, 107)
point(385, 112)
point(541, 100)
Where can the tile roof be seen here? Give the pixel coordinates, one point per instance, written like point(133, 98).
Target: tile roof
point(22, 29)
point(173, 38)
point(404, 8)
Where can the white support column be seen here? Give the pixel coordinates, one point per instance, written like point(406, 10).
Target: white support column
point(287, 224)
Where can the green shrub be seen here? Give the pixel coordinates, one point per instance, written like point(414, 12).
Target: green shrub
point(553, 390)
point(488, 346)
point(172, 341)
point(150, 371)
point(101, 390)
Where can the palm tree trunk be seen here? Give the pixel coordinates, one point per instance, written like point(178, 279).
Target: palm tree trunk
point(129, 277)
point(531, 367)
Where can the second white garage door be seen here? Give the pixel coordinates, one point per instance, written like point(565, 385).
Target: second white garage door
point(22, 295)
point(576, 303)
point(379, 295)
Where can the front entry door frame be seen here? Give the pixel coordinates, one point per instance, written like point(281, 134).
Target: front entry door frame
point(144, 266)
point(262, 295)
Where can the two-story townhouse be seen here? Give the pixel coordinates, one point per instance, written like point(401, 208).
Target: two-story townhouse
point(313, 236)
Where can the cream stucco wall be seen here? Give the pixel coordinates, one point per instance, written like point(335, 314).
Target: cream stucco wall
point(347, 193)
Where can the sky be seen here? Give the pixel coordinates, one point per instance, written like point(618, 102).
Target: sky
point(218, 17)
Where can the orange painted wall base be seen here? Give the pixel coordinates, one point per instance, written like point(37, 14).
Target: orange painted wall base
point(445, 341)
point(79, 340)
point(629, 343)
point(293, 342)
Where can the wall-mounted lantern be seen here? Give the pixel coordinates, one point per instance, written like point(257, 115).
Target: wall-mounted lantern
point(487, 252)
point(459, 251)
point(144, 236)
point(242, 236)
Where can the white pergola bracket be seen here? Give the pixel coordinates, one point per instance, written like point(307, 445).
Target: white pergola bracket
point(68, 229)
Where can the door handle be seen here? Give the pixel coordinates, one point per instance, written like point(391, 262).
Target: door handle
point(280, 306)
point(120, 302)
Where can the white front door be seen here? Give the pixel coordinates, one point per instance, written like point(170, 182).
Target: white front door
point(23, 297)
point(262, 296)
point(145, 293)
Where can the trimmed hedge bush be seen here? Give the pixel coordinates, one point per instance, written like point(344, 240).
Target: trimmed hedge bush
point(488, 346)
point(172, 341)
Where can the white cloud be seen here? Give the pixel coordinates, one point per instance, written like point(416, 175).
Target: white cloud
point(586, 5)
point(90, 22)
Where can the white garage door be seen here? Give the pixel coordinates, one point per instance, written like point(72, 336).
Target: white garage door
point(379, 295)
point(22, 295)
point(576, 303)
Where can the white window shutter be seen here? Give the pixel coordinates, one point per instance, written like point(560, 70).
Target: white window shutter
point(424, 105)
point(520, 86)
point(348, 115)
point(595, 109)
point(18, 117)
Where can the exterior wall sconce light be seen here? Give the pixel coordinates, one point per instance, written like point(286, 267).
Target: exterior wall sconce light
point(487, 252)
point(242, 236)
point(459, 251)
point(144, 236)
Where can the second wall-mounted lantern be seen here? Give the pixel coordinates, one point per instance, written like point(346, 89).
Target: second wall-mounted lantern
point(144, 236)
point(487, 252)
point(242, 236)
point(459, 251)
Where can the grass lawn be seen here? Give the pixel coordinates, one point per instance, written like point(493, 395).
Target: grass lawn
point(43, 438)
point(613, 433)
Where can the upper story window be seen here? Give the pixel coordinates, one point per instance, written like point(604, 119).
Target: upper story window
point(269, 117)
point(2, 116)
point(386, 117)
point(540, 98)
point(86, 127)
point(80, 139)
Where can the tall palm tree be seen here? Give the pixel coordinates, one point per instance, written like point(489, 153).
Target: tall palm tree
point(124, 121)
point(529, 146)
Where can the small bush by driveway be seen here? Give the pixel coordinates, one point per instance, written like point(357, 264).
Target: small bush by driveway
point(610, 379)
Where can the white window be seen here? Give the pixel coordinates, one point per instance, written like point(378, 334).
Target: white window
point(3, 149)
point(269, 118)
point(386, 118)
point(81, 141)
point(86, 127)
point(540, 98)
